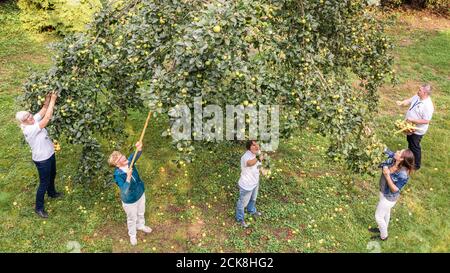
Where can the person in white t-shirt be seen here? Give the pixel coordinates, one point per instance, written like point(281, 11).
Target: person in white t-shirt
point(420, 113)
point(249, 182)
point(42, 149)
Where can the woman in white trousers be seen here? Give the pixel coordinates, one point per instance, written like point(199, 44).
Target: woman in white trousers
point(396, 171)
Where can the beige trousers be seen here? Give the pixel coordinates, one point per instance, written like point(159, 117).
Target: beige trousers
point(135, 215)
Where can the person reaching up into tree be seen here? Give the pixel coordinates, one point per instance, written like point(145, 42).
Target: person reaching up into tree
point(249, 182)
point(396, 172)
point(42, 150)
point(132, 191)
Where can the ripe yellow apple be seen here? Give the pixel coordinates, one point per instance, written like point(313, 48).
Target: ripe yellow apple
point(217, 29)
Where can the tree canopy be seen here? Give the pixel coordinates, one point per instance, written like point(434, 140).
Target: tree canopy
point(322, 61)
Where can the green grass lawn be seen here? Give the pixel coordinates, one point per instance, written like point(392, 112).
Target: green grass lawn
point(312, 204)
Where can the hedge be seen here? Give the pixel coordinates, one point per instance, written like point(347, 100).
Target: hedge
point(64, 16)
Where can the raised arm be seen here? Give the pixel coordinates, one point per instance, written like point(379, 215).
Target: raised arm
point(49, 113)
point(45, 107)
point(139, 152)
point(390, 183)
point(253, 161)
point(389, 160)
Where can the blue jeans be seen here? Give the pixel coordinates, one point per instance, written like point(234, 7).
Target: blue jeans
point(246, 199)
point(47, 174)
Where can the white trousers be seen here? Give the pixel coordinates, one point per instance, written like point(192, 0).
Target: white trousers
point(135, 215)
point(383, 215)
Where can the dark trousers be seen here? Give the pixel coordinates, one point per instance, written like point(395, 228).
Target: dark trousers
point(414, 146)
point(47, 174)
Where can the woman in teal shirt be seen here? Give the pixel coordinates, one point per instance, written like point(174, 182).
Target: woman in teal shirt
point(132, 191)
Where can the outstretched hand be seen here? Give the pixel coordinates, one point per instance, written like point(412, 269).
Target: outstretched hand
point(53, 95)
point(47, 99)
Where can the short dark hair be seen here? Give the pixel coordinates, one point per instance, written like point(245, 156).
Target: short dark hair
point(249, 144)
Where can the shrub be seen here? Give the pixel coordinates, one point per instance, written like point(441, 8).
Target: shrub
point(64, 16)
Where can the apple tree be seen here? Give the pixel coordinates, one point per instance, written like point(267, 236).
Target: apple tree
point(322, 61)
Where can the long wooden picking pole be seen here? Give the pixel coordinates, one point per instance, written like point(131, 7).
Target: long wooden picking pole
point(140, 140)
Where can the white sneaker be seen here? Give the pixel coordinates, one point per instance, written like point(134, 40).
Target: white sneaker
point(133, 240)
point(145, 229)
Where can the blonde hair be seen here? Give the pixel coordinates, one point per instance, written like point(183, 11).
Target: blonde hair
point(113, 158)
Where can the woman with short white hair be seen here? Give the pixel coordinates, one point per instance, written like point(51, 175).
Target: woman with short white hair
point(42, 149)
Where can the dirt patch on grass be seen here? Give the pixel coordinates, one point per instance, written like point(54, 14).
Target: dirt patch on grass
point(173, 209)
point(194, 230)
point(365, 186)
point(405, 42)
point(408, 25)
point(283, 233)
point(389, 94)
point(423, 20)
point(38, 59)
point(34, 58)
point(166, 237)
point(8, 64)
point(3, 72)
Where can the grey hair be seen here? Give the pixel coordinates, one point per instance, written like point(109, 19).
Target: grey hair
point(20, 116)
point(427, 88)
